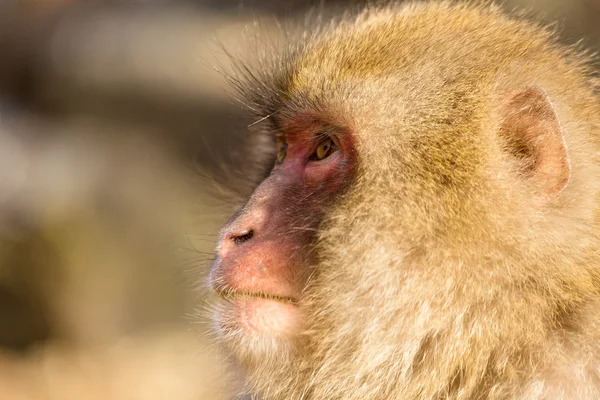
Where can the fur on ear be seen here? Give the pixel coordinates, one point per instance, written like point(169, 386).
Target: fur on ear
point(535, 138)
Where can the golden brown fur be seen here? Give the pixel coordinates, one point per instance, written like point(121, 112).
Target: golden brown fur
point(442, 273)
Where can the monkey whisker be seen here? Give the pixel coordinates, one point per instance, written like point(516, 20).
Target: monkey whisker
point(303, 229)
point(262, 119)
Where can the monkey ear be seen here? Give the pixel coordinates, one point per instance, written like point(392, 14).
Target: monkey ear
point(535, 138)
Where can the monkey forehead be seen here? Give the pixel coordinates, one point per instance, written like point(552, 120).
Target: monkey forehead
point(456, 44)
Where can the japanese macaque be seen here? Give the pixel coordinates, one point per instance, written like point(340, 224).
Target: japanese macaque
point(430, 227)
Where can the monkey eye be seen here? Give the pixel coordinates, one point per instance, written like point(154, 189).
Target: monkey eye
point(281, 146)
point(281, 153)
point(326, 148)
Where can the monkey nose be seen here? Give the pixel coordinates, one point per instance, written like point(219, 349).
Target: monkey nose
point(242, 236)
point(234, 239)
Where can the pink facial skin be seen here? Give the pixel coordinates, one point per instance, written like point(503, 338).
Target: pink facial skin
point(263, 252)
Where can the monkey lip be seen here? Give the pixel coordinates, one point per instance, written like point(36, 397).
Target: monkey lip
point(232, 294)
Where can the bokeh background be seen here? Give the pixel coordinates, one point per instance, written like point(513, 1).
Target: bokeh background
point(115, 124)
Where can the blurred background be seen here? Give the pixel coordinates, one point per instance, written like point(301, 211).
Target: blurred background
point(112, 115)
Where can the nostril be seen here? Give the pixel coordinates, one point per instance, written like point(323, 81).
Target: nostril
point(239, 239)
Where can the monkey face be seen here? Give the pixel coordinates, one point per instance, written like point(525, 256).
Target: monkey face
point(262, 265)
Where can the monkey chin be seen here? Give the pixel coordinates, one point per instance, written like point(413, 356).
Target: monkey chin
point(266, 316)
point(255, 327)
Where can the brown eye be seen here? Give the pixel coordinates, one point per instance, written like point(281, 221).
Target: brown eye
point(324, 150)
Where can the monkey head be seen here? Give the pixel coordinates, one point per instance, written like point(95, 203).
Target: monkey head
point(428, 225)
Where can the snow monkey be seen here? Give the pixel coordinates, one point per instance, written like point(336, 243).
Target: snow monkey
point(430, 228)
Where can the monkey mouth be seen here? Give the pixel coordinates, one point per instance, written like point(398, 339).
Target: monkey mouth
point(232, 294)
